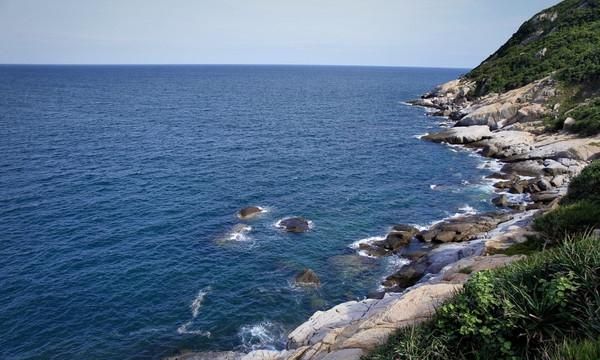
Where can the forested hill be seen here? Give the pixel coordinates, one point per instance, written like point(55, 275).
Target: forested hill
point(563, 39)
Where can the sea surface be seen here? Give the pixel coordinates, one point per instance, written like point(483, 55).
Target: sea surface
point(119, 187)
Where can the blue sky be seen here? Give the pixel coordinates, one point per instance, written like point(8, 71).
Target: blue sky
point(444, 33)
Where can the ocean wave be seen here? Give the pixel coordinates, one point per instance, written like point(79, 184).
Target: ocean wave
point(197, 303)
point(239, 233)
point(419, 136)
point(195, 306)
point(262, 336)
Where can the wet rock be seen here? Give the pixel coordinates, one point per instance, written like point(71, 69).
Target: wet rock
point(407, 276)
point(502, 176)
point(376, 294)
point(307, 278)
point(295, 224)
point(500, 201)
point(374, 250)
point(249, 212)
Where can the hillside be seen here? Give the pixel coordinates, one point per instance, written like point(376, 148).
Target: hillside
point(564, 39)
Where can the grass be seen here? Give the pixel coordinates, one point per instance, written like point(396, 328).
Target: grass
point(515, 312)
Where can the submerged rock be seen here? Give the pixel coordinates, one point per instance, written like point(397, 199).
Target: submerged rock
point(294, 224)
point(307, 277)
point(249, 212)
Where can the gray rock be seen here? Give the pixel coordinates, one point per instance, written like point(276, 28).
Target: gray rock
point(460, 135)
point(568, 124)
point(501, 201)
point(295, 224)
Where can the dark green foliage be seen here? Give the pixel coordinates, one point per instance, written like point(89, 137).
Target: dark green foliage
point(586, 185)
point(578, 217)
point(532, 245)
point(580, 210)
point(515, 312)
point(570, 33)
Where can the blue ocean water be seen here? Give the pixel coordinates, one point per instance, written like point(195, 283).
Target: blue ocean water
point(119, 185)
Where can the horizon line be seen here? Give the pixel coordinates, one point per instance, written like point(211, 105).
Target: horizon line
point(233, 64)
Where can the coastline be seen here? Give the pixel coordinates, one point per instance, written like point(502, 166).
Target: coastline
point(536, 170)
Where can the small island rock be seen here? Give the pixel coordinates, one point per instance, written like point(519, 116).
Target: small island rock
point(249, 212)
point(307, 278)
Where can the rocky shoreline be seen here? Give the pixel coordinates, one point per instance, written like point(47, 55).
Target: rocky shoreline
point(537, 168)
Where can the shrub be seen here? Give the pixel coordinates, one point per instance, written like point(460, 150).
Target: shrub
point(515, 312)
point(574, 218)
point(576, 350)
point(585, 186)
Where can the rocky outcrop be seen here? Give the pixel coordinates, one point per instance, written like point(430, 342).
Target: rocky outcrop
point(460, 135)
point(463, 228)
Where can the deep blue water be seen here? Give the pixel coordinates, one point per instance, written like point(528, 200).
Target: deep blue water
point(119, 184)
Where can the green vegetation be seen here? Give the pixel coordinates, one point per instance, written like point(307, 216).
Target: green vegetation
point(562, 41)
point(581, 207)
point(570, 34)
point(544, 307)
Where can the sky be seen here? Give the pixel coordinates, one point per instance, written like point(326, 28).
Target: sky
point(429, 33)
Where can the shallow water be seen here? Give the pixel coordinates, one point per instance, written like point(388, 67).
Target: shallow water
point(119, 186)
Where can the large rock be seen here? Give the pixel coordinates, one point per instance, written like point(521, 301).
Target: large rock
point(463, 228)
point(506, 143)
point(474, 264)
point(489, 115)
point(397, 238)
point(307, 277)
point(460, 135)
point(294, 224)
point(249, 212)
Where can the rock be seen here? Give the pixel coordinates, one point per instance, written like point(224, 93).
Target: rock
point(507, 143)
point(365, 324)
point(526, 168)
point(502, 176)
point(489, 115)
point(375, 249)
point(501, 201)
point(543, 184)
point(408, 275)
point(249, 212)
point(553, 167)
point(463, 228)
point(460, 135)
point(376, 294)
point(568, 124)
point(545, 196)
point(294, 224)
point(307, 277)
point(209, 355)
point(397, 238)
point(489, 150)
point(518, 187)
point(558, 180)
point(475, 264)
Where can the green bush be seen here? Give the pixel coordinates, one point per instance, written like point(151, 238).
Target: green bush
point(585, 186)
point(574, 218)
point(515, 312)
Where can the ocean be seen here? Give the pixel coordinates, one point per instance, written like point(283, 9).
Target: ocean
point(119, 187)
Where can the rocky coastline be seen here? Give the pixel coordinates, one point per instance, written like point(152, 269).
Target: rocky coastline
point(537, 168)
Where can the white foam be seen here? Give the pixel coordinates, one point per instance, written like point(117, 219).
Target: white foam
point(197, 303)
point(240, 233)
point(419, 136)
point(195, 309)
point(184, 329)
point(262, 336)
point(433, 186)
point(467, 209)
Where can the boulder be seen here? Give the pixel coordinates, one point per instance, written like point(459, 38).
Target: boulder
point(307, 277)
point(500, 201)
point(249, 212)
point(407, 276)
point(294, 224)
point(489, 115)
point(460, 135)
point(463, 228)
point(545, 196)
point(526, 168)
point(397, 238)
point(568, 124)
